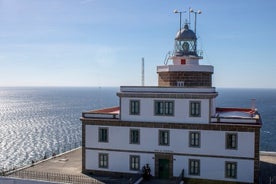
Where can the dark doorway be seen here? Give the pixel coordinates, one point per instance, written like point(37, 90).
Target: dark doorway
point(164, 168)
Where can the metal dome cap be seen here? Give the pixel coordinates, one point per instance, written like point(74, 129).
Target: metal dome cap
point(185, 34)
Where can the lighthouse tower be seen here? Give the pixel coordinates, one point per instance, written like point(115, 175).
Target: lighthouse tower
point(185, 70)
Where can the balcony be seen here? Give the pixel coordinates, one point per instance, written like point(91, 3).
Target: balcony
point(107, 113)
point(236, 116)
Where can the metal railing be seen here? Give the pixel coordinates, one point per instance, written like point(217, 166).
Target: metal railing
point(197, 53)
point(55, 177)
point(100, 115)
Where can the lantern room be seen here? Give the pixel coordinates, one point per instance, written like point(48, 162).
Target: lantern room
point(185, 42)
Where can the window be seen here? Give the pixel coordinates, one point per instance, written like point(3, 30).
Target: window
point(194, 138)
point(134, 162)
point(164, 108)
point(231, 141)
point(164, 139)
point(134, 108)
point(103, 134)
point(103, 160)
point(195, 109)
point(180, 84)
point(231, 169)
point(194, 167)
point(134, 136)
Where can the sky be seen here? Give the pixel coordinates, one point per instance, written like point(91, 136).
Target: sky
point(102, 42)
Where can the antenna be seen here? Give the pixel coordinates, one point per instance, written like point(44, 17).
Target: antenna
point(195, 12)
point(190, 16)
point(253, 103)
point(143, 72)
point(180, 13)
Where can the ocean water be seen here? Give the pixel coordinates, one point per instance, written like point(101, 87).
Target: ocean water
point(40, 121)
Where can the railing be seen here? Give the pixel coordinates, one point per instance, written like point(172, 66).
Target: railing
point(237, 120)
point(55, 177)
point(167, 57)
point(180, 52)
point(100, 115)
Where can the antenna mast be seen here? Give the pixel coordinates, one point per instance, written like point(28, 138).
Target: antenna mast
point(195, 12)
point(143, 72)
point(180, 15)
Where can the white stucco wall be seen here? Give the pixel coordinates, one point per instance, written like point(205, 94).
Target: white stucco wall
point(212, 152)
point(213, 107)
point(212, 142)
point(181, 111)
point(214, 168)
point(118, 161)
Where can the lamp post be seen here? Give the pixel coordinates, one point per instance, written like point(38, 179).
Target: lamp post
point(195, 12)
point(180, 13)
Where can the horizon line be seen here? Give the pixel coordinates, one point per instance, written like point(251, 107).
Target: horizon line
point(122, 85)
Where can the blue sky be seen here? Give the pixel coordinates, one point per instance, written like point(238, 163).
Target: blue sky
point(101, 43)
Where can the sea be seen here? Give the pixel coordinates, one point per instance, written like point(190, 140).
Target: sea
point(39, 122)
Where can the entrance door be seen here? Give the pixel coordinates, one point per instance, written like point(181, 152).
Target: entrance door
point(164, 168)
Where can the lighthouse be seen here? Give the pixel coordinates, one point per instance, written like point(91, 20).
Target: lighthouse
point(185, 70)
point(174, 129)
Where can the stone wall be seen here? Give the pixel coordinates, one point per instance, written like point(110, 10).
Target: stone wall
point(190, 79)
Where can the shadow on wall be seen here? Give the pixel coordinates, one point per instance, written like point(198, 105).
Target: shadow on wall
point(268, 172)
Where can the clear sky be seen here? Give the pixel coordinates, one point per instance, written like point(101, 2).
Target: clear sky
point(101, 42)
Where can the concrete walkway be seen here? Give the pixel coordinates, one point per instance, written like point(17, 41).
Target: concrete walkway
point(70, 164)
point(61, 168)
point(67, 163)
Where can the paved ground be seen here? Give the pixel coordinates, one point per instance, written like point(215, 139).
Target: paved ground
point(70, 164)
point(268, 167)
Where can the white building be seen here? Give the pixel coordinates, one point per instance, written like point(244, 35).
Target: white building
point(174, 127)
